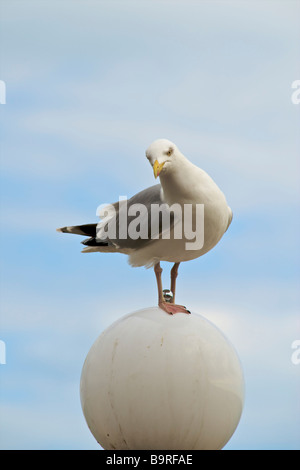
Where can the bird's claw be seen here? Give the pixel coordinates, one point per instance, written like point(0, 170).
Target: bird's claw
point(171, 309)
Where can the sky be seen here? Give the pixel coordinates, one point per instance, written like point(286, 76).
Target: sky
point(89, 85)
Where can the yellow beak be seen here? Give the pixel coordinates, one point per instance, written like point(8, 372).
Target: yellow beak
point(157, 167)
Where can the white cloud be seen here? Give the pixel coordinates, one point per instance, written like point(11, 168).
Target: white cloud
point(270, 168)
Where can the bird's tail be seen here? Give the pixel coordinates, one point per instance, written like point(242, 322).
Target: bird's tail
point(92, 243)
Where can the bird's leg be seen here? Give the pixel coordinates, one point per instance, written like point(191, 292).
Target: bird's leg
point(166, 306)
point(174, 274)
point(158, 271)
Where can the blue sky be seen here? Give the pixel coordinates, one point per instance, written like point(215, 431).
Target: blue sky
point(89, 86)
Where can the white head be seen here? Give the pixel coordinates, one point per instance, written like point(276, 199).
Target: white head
point(163, 156)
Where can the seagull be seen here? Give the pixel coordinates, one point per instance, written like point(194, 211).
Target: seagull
point(182, 185)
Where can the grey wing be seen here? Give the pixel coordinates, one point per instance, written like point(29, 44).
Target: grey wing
point(128, 224)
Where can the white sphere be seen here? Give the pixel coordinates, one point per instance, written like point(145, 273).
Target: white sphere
point(157, 381)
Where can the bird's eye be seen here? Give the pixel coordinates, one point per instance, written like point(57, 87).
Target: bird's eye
point(169, 152)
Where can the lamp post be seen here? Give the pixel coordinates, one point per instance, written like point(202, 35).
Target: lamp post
point(156, 381)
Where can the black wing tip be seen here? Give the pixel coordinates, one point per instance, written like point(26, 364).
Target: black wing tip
point(94, 242)
point(86, 230)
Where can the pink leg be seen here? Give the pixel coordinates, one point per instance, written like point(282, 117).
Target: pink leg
point(170, 308)
point(174, 274)
point(158, 271)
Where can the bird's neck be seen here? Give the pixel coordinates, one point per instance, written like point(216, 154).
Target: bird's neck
point(176, 186)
